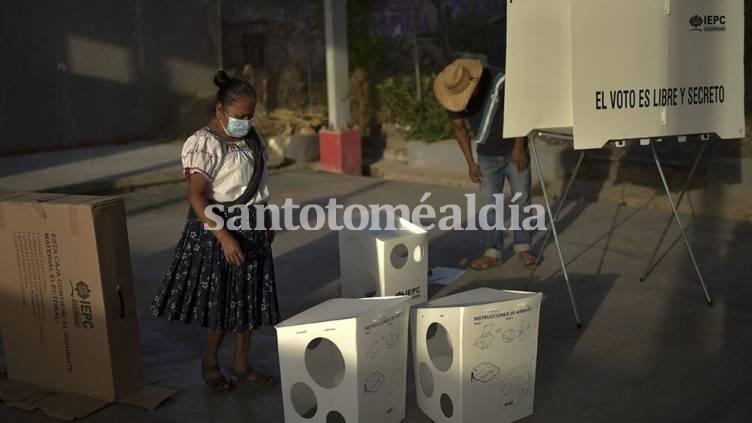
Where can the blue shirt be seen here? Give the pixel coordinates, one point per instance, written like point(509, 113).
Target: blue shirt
point(496, 145)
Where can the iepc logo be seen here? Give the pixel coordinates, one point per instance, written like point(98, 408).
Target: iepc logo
point(708, 23)
point(84, 315)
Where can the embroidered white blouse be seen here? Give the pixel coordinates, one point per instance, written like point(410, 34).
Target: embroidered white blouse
point(227, 166)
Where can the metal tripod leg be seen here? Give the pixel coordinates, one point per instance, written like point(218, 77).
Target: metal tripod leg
point(559, 207)
point(553, 230)
point(651, 265)
point(678, 222)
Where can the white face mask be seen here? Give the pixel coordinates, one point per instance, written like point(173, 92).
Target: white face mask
point(237, 128)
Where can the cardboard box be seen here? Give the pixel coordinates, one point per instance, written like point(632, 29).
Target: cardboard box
point(345, 361)
point(67, 308)
point(474, 355)
point(384, 262)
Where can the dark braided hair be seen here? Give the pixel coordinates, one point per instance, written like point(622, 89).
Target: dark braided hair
point(230, 89)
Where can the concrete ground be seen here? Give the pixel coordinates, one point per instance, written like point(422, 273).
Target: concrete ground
point(94, 170)
point(648, 351)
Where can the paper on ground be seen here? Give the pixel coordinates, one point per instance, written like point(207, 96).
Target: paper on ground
point(444, 275)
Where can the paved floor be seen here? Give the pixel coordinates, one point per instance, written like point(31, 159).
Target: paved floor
point(94, 169)
point(101, 169)
point(648, 352)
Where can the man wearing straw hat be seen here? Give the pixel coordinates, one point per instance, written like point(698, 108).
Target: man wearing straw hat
point(468, 91)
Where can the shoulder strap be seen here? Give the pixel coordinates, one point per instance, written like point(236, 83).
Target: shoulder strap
point(490, 109)
point(254, 139)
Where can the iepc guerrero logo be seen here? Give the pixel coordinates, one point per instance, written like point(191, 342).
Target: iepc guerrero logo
point(83, 314)
point(696, 22)
point(83, 291)
point(708, 23)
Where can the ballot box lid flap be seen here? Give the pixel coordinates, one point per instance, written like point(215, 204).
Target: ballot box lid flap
point(479, 296)
point(342, 309)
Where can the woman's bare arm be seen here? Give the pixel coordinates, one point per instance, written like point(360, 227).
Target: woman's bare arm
point(198, 202)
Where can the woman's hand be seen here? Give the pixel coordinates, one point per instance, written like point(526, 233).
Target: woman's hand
point(231, 248)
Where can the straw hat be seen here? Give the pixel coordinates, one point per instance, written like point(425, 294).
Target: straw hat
point(454, 85)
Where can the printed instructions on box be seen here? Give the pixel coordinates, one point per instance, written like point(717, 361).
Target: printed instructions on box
point(514, 382)
point(41, 286)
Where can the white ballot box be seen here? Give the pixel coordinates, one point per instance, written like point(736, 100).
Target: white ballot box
point(345, 360)
point(389, 261)
point(474, 355)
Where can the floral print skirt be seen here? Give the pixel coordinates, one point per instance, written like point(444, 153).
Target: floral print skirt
point(201, 288)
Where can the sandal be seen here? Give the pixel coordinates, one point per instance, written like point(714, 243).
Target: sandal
point(244, 379)
point(527, 258)
point(485, 263)
point(216, 383)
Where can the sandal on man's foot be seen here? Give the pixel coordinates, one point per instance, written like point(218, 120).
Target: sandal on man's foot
point(485, 263)
point(250, 378)
point(526, 258)
point(213, 378)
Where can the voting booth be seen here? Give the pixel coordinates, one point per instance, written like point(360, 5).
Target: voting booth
point(392, 260)
point(474, 355)
point(345, 360)
point(612, 70)
point(600, 71)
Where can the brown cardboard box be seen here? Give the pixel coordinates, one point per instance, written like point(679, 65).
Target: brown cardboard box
point(67, 307)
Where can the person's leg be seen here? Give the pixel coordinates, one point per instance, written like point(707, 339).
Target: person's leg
point(492, 182)
point(242, 345)
point(210, 371)
point(212, 350)
point(242, 373)
point(520, 183)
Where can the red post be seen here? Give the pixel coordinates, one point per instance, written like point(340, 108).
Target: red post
point(340, 151)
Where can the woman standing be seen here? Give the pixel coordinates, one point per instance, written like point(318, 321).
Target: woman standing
point(223, 279)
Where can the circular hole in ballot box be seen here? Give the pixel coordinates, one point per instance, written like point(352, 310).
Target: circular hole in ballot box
point(335, 417)
point(324, 363)
point(426, 379)
point(399, 256)
point(447, 406)
point(303, 400)
point(439, 346)
point(418, 253)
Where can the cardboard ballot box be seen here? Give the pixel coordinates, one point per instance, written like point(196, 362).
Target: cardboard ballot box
point(345, 361)
point(475, 355)
point(384, 262)
point(67, 309)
